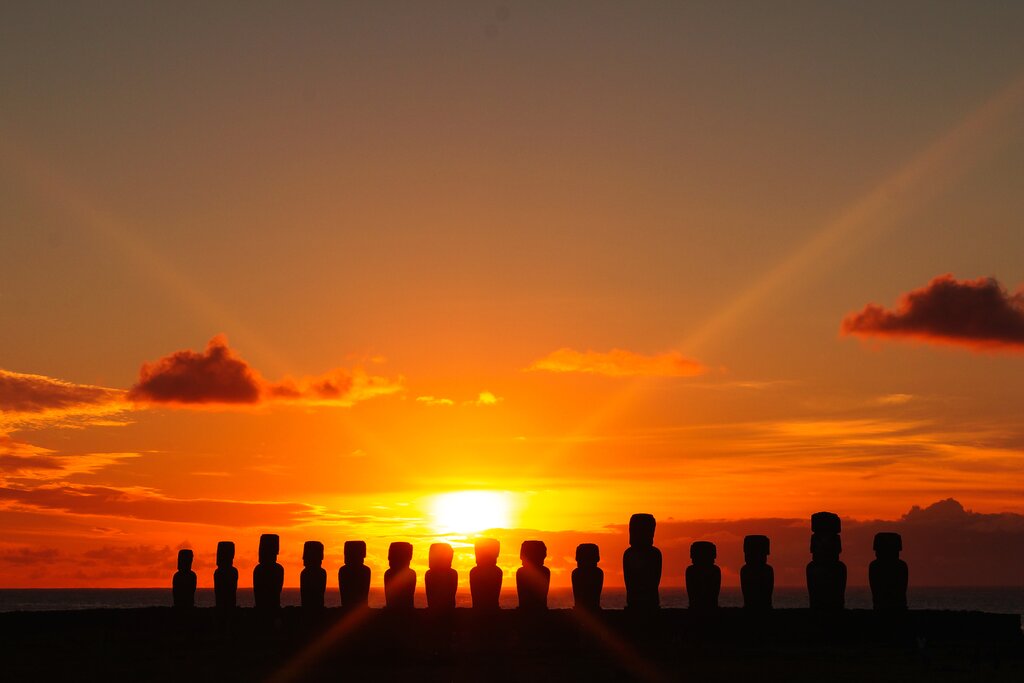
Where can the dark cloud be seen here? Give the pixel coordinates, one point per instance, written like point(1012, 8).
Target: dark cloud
point(25, 556)
point(219, 376)
point(216, 375)
point(979, 314)
point(22, 393)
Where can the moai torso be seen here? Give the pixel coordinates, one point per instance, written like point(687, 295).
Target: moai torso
point(400, 579)
point(587, 578)
point(826, 574)
point(313, 579)
point(757, 578)
point(703, 577)
point(888, 574)
point(641, 564)
point(183, 585)
point(533, 579)
point(354, 585)
point(441, 580)
point(486, 577)
point(268, 576)
point(225, 577)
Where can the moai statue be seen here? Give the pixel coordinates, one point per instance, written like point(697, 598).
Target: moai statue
point(268, 576)
point(313, 579)
point(703, 577)
point(354, 576)
point(225, 577)
point(485, 577)
point(587, 578)
point(757, 578)
point(888, 574)
point(183, 585)
point(826, 574)
point(400, 579)
point(533, 579)
point(441, 580)
point(641, 564)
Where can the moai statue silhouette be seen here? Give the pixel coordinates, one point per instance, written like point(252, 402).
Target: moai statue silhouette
point(826, 574)
point(887, 573)
point(268, 576)
point(587, 578)
point(225, 577)
point(313, 579)
point(703, 577)
point(441, 580)
point(400, 579)
point(533, 579)
point(757, 578)
point(354, 576)
point(641, 564)
point(485, 577)
point(183, 585)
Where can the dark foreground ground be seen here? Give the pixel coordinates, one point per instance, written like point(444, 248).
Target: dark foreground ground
point(161, 644)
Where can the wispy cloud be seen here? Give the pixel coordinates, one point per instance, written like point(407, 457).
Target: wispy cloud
point(976, 314)
point(619, 363)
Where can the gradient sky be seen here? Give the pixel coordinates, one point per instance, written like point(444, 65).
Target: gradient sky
point(601, 257)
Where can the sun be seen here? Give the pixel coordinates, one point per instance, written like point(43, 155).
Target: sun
point(468, 512)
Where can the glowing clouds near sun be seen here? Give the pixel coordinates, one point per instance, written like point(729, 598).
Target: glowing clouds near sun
point(469, 512)
point(977, 314)
point(620, 363)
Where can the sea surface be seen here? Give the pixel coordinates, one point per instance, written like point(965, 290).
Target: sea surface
point(1008, 600)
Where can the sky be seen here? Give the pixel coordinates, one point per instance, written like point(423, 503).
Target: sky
point(424, 271)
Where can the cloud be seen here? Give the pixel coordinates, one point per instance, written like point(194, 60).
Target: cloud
point(219, 376)
point(148, 504)
point(486, 398)
point(434, 401)
point(977, 314)
point(22, 393)
point(620, 363)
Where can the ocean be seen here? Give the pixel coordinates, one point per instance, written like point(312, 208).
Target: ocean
point(1007, 600)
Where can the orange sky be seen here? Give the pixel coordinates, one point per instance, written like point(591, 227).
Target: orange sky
point(305, 270)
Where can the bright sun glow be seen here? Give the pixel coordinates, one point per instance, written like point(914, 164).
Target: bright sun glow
point(468, 512)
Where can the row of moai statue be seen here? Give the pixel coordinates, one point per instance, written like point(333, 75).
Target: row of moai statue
point(641, 565)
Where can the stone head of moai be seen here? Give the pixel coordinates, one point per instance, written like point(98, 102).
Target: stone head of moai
point(826, 546)
point(355, 552)
point(703, 553)
point(185, 557)
point(756, 549)
point(887, 545)
point(225, 553)
point(399, 555)
point(641, 530)
point(270, 546)
point(440, 556)
point(312, 554)
point(486, 551)
point(587, 555)
point(825, 523)
point(533, 553)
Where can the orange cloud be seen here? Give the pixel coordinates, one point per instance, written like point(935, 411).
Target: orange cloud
point(219, 376)
point(977, 314)
point(620, 363)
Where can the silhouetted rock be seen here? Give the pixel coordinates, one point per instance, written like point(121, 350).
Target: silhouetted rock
point(183, 585)
point(757, 578)
point(703, 577)
point(225, 577)
point(354, 576)
point(587, 578)
point(485, 578)
point(441, 580)
point(268, 576)
point(826, 574)
point(641, 564)
point(888, 574)
point(313, 579)
point(533, 579)
point(400, 579)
